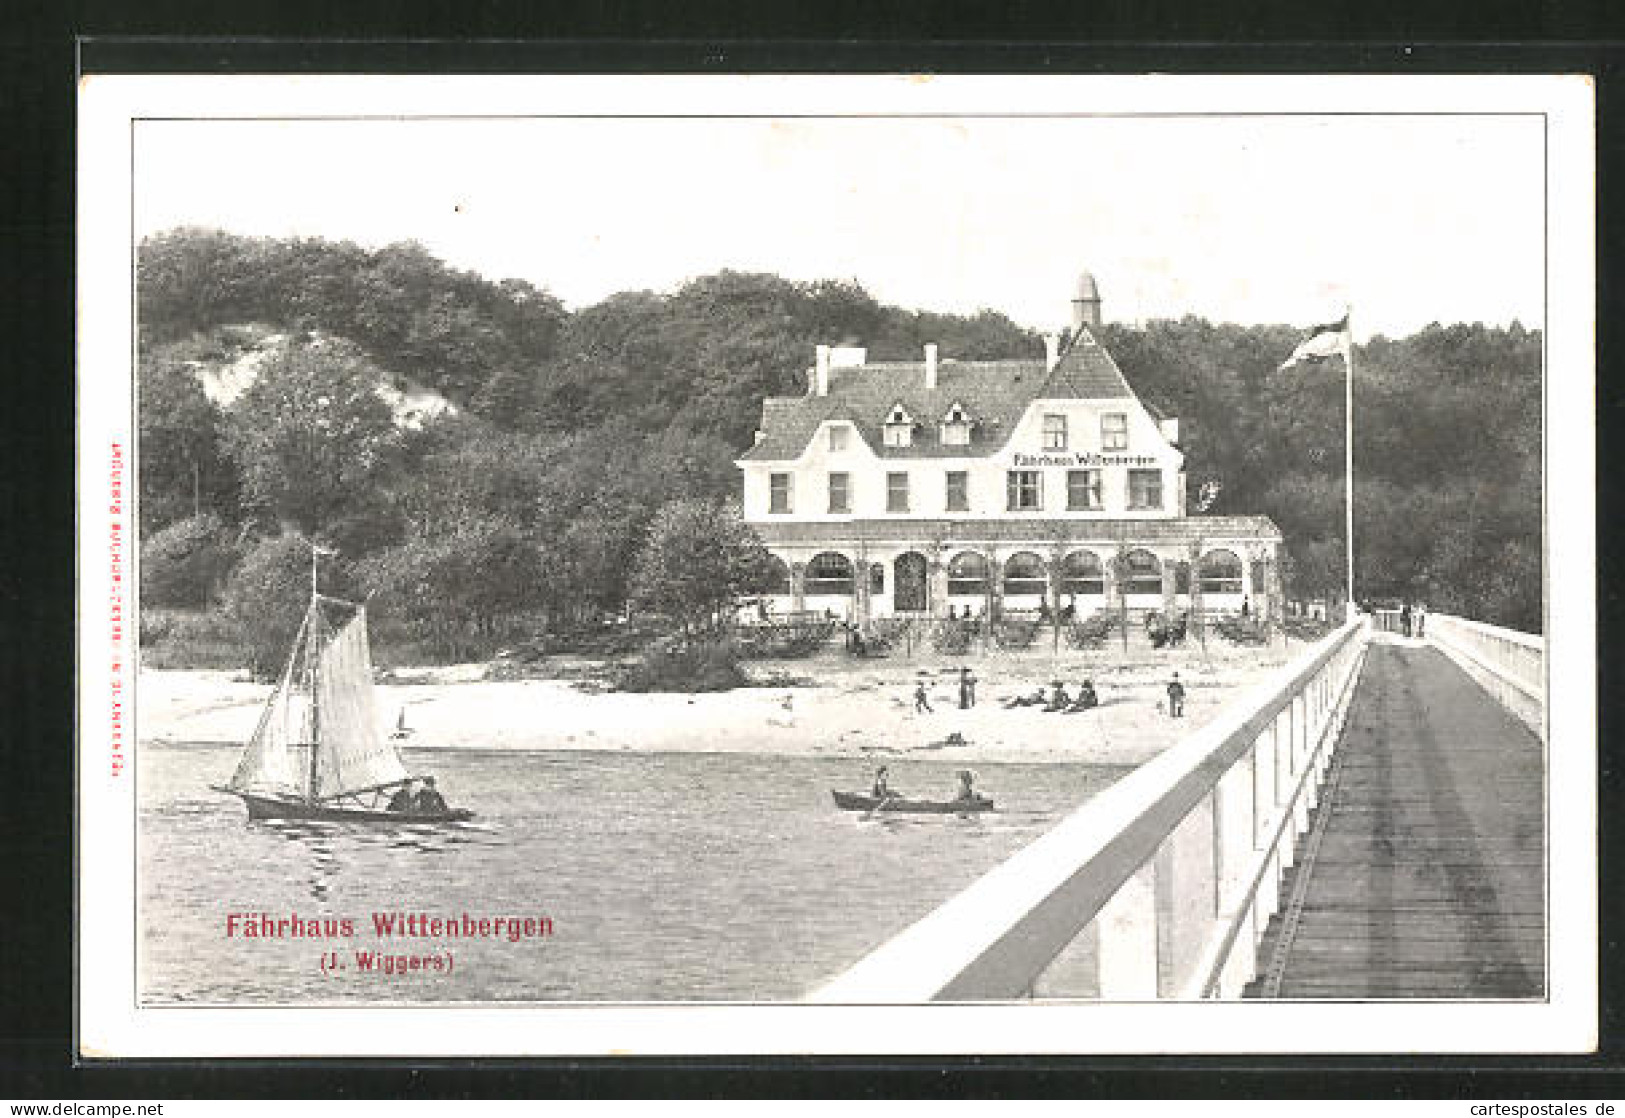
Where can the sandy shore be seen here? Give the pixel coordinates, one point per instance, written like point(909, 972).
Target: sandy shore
point(838, 707)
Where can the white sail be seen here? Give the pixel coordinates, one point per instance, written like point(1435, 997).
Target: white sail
point(277, 756)
point(353, 755)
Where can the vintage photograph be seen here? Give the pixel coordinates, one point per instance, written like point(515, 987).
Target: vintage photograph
point(834, 543)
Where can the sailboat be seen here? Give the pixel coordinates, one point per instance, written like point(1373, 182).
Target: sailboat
point(316, 752)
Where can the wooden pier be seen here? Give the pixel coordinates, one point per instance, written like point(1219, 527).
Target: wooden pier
point(1422, 874)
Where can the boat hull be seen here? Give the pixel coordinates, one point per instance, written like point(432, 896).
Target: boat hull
point(275, 807)
point(856, 801)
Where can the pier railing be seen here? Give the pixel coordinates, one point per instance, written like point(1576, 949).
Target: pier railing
point(1162, 884)
point(1509, 664)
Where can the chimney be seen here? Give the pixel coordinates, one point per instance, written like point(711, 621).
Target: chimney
point(930, 364)
point(821, 372)
point(1052, 351)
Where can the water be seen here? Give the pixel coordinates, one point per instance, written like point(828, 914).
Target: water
point(704, 876)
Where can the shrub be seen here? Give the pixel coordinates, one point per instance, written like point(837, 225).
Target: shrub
point(951, 638)
point(702, 666)
point(1015, 633)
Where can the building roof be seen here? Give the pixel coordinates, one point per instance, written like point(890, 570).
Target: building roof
point(995, 393)
point(1036, 531)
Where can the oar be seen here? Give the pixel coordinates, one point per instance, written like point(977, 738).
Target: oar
point(881, 806)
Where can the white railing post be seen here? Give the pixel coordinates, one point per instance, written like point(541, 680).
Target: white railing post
point(1127, 939)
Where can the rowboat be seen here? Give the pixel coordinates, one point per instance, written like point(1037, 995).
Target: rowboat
point(858, 801)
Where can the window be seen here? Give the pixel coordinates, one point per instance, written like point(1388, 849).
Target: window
point(1082, 573)
point(1083, 490)
point(1143, 574)
point(1114, 431)
point(958, 491)
point(839, 437)
point(778, 493)
point(1024, 574)
point(899, 427)
point(877, 578)
point(840, 496)
point(956, 427)
point(967, 574)
point(1221, 572)
point(1145, 489)
point(828, 573)
point(897, 492)
point(1055, 432)
point(1023, 489)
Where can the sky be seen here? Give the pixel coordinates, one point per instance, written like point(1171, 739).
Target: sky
point(1407, 219)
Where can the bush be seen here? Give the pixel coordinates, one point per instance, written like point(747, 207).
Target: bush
point(1091, 632)
point(707, 666)
point(185, 564)
point(1015, 633)
point(951, 638)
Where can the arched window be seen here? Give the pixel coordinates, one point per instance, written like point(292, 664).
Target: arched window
point(1221, 572)
point(778, 576)
point(1024, 574)
point(829, 573)
point(877, 578)
point(1144, 574)
point(1083, 573)
point(967, 573)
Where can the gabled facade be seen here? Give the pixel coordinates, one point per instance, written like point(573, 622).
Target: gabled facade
point(920, 487)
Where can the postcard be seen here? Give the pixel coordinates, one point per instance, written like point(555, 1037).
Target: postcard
point(636, 565)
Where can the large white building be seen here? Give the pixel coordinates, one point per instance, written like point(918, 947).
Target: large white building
point(923, 486)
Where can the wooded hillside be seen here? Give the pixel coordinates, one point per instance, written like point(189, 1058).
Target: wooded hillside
point(575, 428)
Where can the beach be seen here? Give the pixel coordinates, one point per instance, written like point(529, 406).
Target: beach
point(829, 705)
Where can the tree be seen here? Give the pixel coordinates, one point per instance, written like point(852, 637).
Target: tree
point(312, 436)
point(186, 563)
point(185, 470)
point(269, 592)
point(700, 560)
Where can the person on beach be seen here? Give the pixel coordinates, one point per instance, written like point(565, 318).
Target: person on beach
point(967, 689)
point(1060, 700)
point(1036, 699)
point(1176, 698)
point(1086, 700)
point(922, 702)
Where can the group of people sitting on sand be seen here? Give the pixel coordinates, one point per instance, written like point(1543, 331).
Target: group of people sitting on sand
point(1058, 701)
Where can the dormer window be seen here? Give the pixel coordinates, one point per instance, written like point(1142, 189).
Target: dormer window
point(899, 427)
point(956, 427)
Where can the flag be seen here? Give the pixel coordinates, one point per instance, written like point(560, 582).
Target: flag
point(1327, 340)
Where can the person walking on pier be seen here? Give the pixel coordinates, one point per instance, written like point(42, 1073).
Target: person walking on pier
point(1176, 698)
point(1405, 618)
point(1420, 618)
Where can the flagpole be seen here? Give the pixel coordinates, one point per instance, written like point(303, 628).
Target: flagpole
point(1348, 451)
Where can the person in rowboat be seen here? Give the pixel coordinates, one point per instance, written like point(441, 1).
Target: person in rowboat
point(429, 798)
point(402, 800)
point(967, 781)
point(881, 791)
